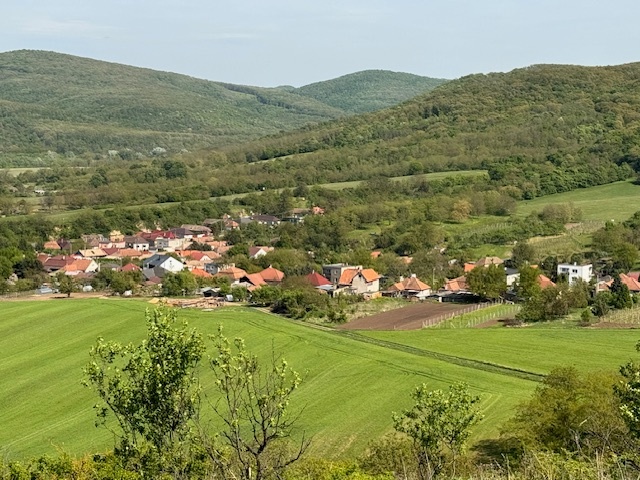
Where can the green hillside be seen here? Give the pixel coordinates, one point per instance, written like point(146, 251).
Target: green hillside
point(527, 127)
point(369, 90)
point(66, 103)
point(349, 390)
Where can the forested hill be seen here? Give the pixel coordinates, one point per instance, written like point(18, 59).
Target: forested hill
point(555, 116)
point(369, 90)
point(52, 101)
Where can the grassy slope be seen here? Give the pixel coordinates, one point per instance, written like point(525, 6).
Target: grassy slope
point(369, 90)
point(349, 392)
point(616, 201)
point(533, 349)
point(51, 100)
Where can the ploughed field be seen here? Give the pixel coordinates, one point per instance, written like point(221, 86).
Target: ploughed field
point(352, 381)
point(413, 317)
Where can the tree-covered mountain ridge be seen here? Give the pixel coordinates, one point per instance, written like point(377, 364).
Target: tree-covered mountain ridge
point(556, 116)
point(64, 103)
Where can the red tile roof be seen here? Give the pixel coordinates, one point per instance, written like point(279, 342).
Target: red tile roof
point(130, 267)
point(272, 275)
point(317, 280)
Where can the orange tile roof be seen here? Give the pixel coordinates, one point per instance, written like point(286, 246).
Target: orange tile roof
point(198, 272)
point(272, 275)
point(255, 279)
point(370, 275)
point(630, 282)
point(232, 272)
point(130, 267)
point(414, 284)
point(545, 281)
point(456, 284)
point(347, 276)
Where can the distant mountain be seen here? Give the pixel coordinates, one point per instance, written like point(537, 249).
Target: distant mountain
point(369, 90)
point(64, 103)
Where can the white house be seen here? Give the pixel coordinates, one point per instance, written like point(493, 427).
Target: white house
point(165, 262)
point(575, 272)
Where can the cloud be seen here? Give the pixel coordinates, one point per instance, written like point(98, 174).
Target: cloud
point(64, 28)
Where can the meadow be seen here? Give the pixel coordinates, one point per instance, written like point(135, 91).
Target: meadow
point(348, 394)
point(614, 201)
point(536, 349)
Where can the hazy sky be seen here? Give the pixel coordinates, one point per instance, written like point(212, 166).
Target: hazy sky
point(296, 42)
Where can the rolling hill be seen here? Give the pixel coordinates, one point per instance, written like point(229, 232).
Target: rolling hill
point(369, 90)
point(63, 103)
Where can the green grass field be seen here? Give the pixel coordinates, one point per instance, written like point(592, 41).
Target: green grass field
point(615, 201)
point(349, 392)
point(536, 349)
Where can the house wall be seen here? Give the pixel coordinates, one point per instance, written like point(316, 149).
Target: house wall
point(575, 272)
point(360, 285)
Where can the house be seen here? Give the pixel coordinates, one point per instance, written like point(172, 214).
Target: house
point(184, 233)
point(359, 281)
point(165, 263)
point(233, 273)
point(130, 267)
point(51, 245)
point(258, 251)
point(80, 266)
point(545, 282)
point(136, 242)
point(513, 275)
point(632, 284)
point(198, 272)
point(252, 281)
point(199, 230)
point(575, 272)
point(92, 253)
point(55, 263)
point(272, 276)
point(410, 287)
point(94, 239)
point(333, 271)
point(318, 280)
point(268, 220)
point(456, 285)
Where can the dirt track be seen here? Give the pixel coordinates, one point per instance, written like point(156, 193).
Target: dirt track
point(408, 318)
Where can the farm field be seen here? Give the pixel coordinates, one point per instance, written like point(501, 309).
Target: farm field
point(615, 201)
point(535, 349)
point(413, 317)
point(349, 391)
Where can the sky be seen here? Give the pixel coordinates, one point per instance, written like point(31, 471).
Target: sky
point(297, 42)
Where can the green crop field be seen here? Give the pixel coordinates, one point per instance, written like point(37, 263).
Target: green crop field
point(535, 349)
point(615, 201)
point(349, 391)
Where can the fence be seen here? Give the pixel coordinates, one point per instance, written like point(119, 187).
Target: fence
point(467, 317)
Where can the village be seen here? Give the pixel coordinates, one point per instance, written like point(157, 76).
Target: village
point(194, 261)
